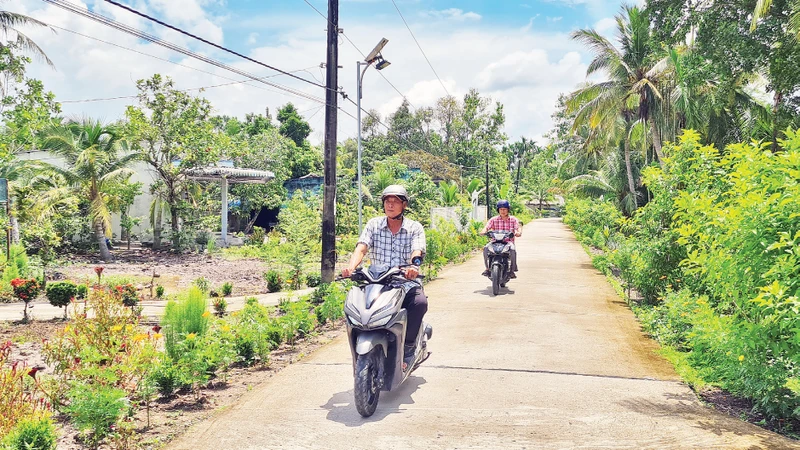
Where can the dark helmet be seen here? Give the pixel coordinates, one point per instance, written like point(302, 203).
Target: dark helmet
point(503, 204)
point(395, 190)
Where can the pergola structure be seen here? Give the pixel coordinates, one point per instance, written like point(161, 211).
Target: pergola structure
point(227, 175)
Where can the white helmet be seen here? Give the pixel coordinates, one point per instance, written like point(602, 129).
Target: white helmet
point(397, 191)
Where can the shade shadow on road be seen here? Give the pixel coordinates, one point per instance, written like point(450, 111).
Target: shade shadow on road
point(341, 407)
point(488, 291)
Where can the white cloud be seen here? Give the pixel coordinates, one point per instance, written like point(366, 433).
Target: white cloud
point(529, 26)
point(605, 26)
point(554, 19)
point(252, 38)
point(453, 14)
point(498, 61)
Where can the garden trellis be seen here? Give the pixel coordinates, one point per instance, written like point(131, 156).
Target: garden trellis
point(227, 175)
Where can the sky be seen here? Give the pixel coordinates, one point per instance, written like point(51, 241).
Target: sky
point(517, 52)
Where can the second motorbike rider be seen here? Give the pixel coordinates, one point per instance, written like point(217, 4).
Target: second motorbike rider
point(393, 240)
point(503, 222)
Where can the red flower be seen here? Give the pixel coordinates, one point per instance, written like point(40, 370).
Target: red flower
point(33, 371)
point(99, 269)
point(155, 328)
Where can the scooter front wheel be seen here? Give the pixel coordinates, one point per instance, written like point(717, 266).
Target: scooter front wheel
point(496, 274)
point(367, 387)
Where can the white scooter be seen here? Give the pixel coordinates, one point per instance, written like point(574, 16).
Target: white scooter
point(376, 328)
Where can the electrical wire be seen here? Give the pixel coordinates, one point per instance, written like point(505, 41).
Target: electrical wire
point(420, 48)
point(217, 46)
point(142, 35)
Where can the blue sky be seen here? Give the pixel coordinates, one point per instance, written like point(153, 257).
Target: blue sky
point(516, 52)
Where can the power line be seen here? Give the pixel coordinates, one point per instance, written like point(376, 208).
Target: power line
point(165, 60)
point(363, 55)
point(186, 33)
point(142, 35)
point(420, 48)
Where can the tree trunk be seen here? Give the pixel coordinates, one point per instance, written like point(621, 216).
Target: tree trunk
point(14, 229)
point(176, 239)
point(777, 99)
point(657, 144)
point(629, 169)
point(251, 222)
point(100, 235)
point(123, 234)
point(157, 227)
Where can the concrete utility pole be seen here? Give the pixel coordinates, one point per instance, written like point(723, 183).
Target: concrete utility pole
point(328, 266)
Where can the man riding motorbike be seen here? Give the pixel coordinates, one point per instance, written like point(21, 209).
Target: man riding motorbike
point(393, 240)
point(502, 222)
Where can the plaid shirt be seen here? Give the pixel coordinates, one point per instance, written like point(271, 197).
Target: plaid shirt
point(392, 249)
point(497, 223)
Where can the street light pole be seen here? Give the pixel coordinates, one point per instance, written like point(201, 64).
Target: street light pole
point(360, 197)
point(374, 56)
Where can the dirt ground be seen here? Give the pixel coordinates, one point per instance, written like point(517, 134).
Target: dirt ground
point(173, 271)
point(172, 416)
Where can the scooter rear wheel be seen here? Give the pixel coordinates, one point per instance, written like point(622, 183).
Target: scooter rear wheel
point(367, 388)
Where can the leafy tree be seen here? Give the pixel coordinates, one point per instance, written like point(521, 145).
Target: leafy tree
point(172, 132)
point(292, 124)
point(91, 151)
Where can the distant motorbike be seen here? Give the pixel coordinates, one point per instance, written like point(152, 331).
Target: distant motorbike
point(499, 250)
point(376, 329)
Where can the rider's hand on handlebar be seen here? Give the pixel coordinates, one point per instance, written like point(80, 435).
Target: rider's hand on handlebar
point(412, 272)
point(346, 272)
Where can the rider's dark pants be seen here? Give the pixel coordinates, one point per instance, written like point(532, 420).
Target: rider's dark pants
point(416, 304)
point(513, 257)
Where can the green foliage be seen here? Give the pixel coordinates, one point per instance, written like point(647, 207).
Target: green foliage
point(184, 318)
point(203, 284)
point(227, 288)
point(595, 222)
point(332, 306)
point(258, 236)
point(220, 306)
point(32, 434)
point(252, 337)
point(274, 280)
point(313, 279)
point(62, 293)
point(22, 398)
point(160, 291)
point(95, 409)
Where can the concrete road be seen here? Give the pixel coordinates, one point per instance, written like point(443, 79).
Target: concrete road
point(556, 361)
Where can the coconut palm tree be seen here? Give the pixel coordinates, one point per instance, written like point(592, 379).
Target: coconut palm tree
point(625, 102)
point(9, 28)
point(93, 155)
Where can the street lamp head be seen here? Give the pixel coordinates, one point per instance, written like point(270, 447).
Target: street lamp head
point(382, 64)
point(375, 53)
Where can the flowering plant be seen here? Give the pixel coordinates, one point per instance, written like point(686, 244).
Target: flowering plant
point(99, 271)
point(25, 289)
point(127, 293)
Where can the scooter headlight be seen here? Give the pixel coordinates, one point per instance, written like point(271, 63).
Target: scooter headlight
point(354, 321)
point(380, 322)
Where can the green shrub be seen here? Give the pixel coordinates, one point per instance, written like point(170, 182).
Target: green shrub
point(220, 306)
point(252, 337)
point(257, 238)
point(203, 284)
point(332, 306)
point(159, 291)
point(274, 281)
point(227, 289)
point(166, 377)
point(94, 409)
point(184, 317)
point(82, 290)
point(32, 434)
point(60, 294)
point(313, 279)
